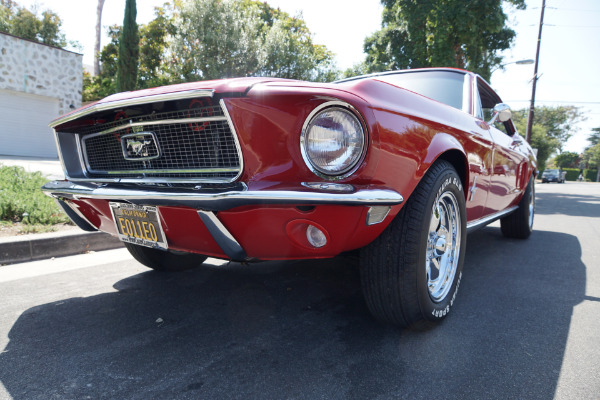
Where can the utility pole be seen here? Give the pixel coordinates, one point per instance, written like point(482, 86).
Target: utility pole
point(535, 75)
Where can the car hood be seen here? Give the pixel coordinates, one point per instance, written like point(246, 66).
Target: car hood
point(233, 85)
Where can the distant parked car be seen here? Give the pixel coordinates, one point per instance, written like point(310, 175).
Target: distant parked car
point(554, 175)
point(400, 165)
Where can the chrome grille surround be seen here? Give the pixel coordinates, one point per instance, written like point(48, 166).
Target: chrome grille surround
point(197, 145)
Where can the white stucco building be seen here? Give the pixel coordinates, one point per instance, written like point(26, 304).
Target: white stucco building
point(37, 84)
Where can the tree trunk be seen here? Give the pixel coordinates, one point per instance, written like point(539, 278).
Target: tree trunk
point(98, 37)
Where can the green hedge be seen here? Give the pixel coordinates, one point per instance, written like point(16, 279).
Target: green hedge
point(590, 174)
point(573, 174)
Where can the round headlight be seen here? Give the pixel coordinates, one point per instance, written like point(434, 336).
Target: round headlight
point(333, 141)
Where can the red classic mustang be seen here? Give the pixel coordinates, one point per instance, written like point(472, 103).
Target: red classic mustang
point(398, 164)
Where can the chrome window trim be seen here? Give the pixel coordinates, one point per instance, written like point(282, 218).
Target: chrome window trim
point(467, 94)
point(319, 108)
point(153, 98)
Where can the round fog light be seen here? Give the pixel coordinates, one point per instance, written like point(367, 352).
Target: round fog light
point(315, 236)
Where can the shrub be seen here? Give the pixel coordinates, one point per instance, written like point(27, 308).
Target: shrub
point(21, 199)
point(572, 173)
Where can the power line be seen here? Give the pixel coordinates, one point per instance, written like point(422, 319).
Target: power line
point(571, 26)
point(557, 101)
point(569, 9)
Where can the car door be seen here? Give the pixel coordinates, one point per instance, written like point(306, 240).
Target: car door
point(508, 163)
point(509, 159)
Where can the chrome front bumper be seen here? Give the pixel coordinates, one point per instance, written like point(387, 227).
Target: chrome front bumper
point(210, 200)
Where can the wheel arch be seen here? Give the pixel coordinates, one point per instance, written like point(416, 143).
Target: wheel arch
point(445, 146)
point(459, 161)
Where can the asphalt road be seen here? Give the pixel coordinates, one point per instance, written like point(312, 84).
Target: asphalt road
point(526, 324)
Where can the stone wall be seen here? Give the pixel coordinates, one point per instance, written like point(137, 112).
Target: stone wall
point(34, 68)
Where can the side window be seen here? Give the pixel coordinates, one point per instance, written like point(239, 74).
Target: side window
point(479, 108)
point(487, 100)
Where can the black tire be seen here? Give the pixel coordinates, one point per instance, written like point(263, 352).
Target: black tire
point(160, 260)
point(397, 269)
point(519, 224)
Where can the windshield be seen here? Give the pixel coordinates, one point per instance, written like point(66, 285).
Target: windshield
point(443, 86)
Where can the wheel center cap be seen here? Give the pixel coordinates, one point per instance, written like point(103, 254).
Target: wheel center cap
point(440, 245)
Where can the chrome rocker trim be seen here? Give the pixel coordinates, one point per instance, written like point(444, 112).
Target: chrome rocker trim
point(211, 201)
point(480, 223)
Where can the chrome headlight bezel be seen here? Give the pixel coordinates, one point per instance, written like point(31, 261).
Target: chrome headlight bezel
point(304, 142)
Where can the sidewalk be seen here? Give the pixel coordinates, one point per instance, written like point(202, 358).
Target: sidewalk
point(24, 248)
point(39, 246)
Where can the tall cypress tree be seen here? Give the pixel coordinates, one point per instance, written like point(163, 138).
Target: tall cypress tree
point(128, 50)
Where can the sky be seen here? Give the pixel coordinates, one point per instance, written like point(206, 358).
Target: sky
point(569, 62)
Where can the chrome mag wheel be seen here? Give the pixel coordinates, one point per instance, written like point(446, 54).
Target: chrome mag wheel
point(443, 246)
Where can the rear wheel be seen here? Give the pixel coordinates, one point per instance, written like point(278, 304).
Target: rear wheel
point(161, 260)
point(410, 274)
point(519, 224)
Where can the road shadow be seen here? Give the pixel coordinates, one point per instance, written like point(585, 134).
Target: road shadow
point(567, 204)
point(301, 330)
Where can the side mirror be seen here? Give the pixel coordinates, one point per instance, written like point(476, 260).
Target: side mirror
point(502, 113)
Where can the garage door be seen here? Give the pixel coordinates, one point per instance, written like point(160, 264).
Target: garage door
point(24, 120)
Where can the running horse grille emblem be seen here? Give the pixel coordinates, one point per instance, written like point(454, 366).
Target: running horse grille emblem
point(140, 146)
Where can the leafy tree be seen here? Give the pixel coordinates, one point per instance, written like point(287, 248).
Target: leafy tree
point(560, 122)
point(467, 34)
point(152, 68)
point(219, 39)
point(356, 70)
point(591, 155)
point(567, 159)
point(105, 83)
point(594, 137)
point(154, 43)
point(26, 24)
point(210, 39)
point(128, 50)
point(539, 140)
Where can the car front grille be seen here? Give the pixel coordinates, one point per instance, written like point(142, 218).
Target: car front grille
point(194, 145)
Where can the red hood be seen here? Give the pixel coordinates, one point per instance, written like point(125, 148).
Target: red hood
point(233, 85)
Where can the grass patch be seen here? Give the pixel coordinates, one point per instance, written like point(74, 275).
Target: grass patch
point(21, 199)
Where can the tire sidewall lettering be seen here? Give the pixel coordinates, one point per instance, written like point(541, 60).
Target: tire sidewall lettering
point(431, 310)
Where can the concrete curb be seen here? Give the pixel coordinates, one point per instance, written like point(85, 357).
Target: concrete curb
point(19, 249)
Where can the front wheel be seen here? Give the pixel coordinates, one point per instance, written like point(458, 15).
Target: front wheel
point(411, 273)
point(160, 260)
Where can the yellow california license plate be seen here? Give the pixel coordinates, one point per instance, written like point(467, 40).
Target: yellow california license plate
point(138, 225)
